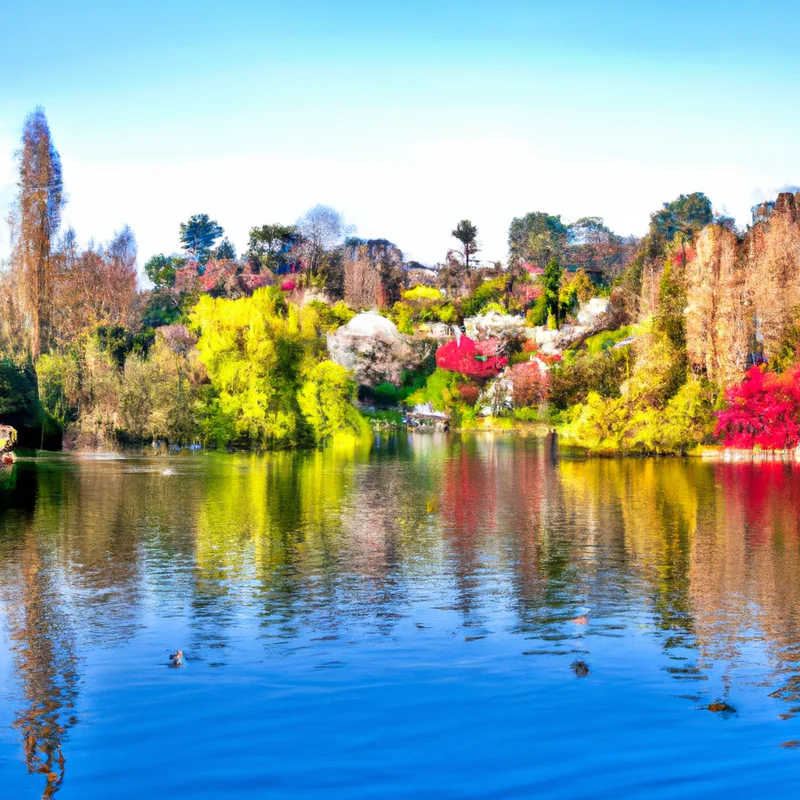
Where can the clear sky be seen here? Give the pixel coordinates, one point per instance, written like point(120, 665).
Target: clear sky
point(406, 116)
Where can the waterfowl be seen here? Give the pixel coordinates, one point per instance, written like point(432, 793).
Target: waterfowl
point(176, 658)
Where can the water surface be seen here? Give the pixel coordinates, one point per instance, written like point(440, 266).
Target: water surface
point(439, 616)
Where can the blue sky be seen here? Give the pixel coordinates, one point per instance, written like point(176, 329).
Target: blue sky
point(406, 116)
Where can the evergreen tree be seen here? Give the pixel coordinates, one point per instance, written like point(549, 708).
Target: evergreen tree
point(198, 236)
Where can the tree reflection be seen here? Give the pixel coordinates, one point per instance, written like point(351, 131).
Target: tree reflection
point(294, 543)
point(42, 642)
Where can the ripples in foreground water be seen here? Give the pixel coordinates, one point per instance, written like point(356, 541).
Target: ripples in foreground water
point(437, 617)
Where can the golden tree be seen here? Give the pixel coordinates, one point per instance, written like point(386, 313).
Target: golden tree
point(35, 219)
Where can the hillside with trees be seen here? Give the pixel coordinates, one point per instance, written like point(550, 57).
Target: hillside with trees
point(686, 337)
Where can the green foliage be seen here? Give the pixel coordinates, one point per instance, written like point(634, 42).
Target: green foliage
point(255, 350)
point(680, 219)
point(656, 411)
point(19, 398)
point(670, 319)
point(163, 392)
point(788, 350)
point(403, 316)
point(55, 373)
point(198, 235)
point(384, 419)
point(547, 305)
point(331, 317)
point(488, 292)
point(262, 357)
point(467, 234)
point(537, 238)
point(441, 390)
point(448, 314)
point(225, 251)
point(268, 245)
point(325, 399)
point(602, 372)
point(161, 270)
point(162, 308)
point(607, 339)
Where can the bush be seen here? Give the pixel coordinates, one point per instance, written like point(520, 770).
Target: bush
point(488, 292)
point(326, 401)
point(530, 384)
point(762, 411)
point(472, 359)
point(20, 406)
point(602, 373)
point(262, 356)
point(331, 317)
point(469, 393)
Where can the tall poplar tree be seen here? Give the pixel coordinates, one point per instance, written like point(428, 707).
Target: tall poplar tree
point(35, 220)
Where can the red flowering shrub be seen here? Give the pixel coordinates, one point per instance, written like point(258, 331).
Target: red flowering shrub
point(529, 384)
point(287, 286)
point(762, 411)
point(477, 361)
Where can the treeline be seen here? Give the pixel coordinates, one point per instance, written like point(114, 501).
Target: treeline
point(227, 349)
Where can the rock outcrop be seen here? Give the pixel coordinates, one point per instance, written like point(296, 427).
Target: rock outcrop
point(494, 325)
point(375, 351)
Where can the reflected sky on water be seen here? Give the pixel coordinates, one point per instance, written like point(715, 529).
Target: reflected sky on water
point(437, 616)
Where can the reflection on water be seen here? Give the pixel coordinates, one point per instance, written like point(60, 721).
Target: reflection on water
point(666, 586)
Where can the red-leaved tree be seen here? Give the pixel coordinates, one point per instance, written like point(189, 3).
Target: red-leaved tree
point(530, 384)
point(478, 360)
point(762, 411)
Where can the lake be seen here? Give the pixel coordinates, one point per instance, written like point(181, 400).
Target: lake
point(438, 616)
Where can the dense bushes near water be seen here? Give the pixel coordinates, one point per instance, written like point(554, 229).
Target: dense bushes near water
point(249, 372)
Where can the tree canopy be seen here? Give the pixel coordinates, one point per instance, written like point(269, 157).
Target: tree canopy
point(536, 238)
point(198, 235)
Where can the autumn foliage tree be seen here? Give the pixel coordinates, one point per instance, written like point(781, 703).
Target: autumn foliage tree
point(530, 384)
point(763, 411)
point(35, 220)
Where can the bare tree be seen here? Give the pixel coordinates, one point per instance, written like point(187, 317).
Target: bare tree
point(322, 228)
point(35, 219)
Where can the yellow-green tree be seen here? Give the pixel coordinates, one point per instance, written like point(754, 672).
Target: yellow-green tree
point(262, 355)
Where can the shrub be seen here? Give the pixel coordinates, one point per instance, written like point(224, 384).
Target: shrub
point(530, 383)
point(422, 295)
point(487, 292)
point(602, 373)
point(475, 360)
point(325, 399)
point(440, 390)
point(762, 411)
point(447, 314)
point(331, 317)
point(469, 393)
